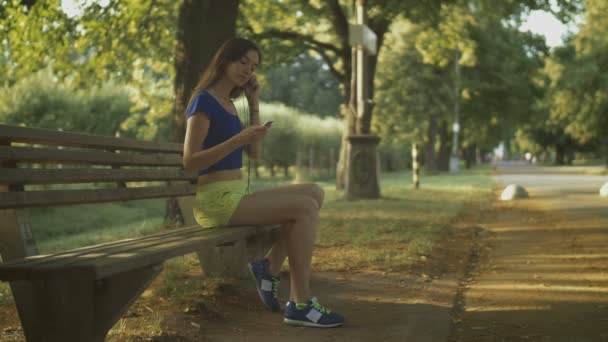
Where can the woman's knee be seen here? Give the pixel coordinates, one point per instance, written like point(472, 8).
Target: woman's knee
point(317, 193)
point(308, 209)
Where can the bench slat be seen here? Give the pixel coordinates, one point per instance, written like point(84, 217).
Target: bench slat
point(132, 248)
point(38, 260)
point(132, 254)
point(27, 199)
point(55, 156)
point(89, 175)
point(156, 254)
point(54, 137)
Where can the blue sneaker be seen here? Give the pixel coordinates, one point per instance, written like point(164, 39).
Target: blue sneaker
point(266, 284)
point(312, 314)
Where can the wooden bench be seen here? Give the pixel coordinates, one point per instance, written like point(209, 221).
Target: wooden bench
point(78, 295)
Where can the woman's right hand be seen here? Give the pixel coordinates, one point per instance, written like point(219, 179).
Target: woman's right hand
point(251, 134)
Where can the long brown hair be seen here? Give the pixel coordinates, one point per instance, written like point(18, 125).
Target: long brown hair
point(231, 51)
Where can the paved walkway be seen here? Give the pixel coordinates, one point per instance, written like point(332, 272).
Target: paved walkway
point(542, 268)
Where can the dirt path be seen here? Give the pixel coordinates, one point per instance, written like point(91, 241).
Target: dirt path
point(414, 305)
point(542, 270)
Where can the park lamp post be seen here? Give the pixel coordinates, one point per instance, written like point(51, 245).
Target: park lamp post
point(362, 175)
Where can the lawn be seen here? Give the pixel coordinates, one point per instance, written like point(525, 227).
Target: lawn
point(396, 230)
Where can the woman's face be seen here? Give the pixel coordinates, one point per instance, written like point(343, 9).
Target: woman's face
point(240, 71)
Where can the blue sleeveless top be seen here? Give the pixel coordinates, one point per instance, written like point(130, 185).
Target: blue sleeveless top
point(223, 126)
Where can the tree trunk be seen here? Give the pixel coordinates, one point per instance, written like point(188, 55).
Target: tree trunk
point(202, 27)
point(570, 156)
point(470, 155)
point(332, 160)
point(380, 27)
point(286, 170)
point(605, 151)
point(431, 134)
point(559, 154)
point(271, 169)
point(311, 158)
point(444, 150)
point(256, 168)
point(348, 116)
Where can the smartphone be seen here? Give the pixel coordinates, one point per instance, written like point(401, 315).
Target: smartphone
point(267, 123)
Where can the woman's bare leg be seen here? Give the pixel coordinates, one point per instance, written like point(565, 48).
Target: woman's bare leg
point(297, 239)
point(306, 189)
point(278, 252)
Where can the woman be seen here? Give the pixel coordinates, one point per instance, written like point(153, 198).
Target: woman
point(213, 146)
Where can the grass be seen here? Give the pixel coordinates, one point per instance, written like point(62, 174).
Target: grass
point(395, 231)
point(386, 234)
point(60, 228)
point(589, 162)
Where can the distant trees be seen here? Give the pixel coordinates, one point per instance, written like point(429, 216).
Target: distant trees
point(157, 49)
point(573, 114)
point(578, 100)
point(292, 27)
point(419, 85)
point(304, 82)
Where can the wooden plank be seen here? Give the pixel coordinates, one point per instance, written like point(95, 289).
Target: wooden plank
point(138, 254)
point(16, 240)
point(60, 138)
point(47, 258)
point(89, 175)
point(78, 258)
point(85, 259)
point(45, 155)
point(134, 246)
point(27, 199)
point(154, 254)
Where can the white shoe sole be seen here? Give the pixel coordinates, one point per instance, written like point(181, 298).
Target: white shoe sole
point(309, 324)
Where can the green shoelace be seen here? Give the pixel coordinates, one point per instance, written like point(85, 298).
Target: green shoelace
point(275, 286)
point(320, 308)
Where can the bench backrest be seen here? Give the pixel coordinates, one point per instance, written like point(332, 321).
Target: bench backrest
point(30, 157)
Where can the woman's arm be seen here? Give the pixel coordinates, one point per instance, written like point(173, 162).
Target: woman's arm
point(254, 149)
point(195, 158)
point(197, 127)
point(252, 93)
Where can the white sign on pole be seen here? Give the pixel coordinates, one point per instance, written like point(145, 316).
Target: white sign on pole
point(361, 35)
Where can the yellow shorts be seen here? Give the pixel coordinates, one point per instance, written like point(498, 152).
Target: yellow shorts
point(215, 202)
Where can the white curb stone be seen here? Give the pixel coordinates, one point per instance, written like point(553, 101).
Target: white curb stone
point(513, 191)
point(604, 190)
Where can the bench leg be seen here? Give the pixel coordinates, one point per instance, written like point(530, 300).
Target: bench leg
point(225, 260)
point(76, 307)
point(259, 245)
point(117, 293)
point(231, 259)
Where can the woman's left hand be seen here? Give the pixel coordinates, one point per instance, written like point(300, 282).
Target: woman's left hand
point(252, 91)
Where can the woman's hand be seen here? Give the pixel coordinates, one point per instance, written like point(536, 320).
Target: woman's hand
point(252, 92)
point(251, 135)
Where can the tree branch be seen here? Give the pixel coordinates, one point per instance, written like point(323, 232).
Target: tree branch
point(339, 22)
point(28, 3)
point(295, 36)
point(330, 63)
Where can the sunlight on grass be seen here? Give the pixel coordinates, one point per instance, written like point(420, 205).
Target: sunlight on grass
point(176, 280)
point(398, 229)
point(60, 228)
point(5, 294)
